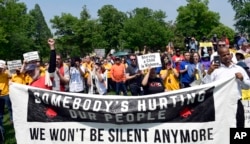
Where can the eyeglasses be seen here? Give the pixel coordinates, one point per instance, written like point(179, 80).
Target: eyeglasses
point(133, 59)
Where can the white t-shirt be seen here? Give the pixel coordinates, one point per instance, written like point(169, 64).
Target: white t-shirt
point(76, 82)
point(101, 86)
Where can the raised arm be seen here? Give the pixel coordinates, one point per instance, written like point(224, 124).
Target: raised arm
point(52, 60)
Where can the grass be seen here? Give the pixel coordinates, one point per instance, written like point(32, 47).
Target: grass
point(9, 129)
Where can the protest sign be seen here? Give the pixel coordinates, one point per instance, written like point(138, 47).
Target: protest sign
point(202, 114)
point(31, 56)
point(13, 65)
point(152, 60)
point(100, 52)
point(206, 44)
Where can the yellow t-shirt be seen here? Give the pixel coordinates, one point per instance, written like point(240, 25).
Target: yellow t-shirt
point(42, 71)
point(4, 83)
point(170, 82)
point(28, 79)
point(89, 67)
point(108, 66)
point(18, 78)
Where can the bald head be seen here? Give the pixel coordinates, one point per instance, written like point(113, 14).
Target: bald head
point(225, 56)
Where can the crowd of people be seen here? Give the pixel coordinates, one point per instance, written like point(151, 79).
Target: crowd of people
point(101, 75)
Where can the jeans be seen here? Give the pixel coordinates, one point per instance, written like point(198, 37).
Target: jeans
point(5, 100)
point(120, 86)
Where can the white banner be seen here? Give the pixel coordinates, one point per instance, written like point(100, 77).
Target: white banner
point(196, 115)
point(31, 56)
point(152, 60)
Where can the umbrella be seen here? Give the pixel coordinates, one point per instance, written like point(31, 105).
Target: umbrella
point(121, 53)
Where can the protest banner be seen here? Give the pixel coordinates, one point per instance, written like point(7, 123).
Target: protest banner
point(31, 56)
point(152, 60)
point(13, 65)
point(202, 115)
point(100, 52)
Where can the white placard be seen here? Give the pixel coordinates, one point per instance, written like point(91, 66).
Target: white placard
point(152, 60)
point(100, 52)
point(14, 64)
point(31, 56)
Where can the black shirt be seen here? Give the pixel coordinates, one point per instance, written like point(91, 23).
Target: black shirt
point(132, 70)
point(154, 86)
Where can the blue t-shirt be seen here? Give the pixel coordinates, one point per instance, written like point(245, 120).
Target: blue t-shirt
point(186, 77)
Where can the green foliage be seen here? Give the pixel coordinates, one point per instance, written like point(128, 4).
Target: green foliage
point(14, 25)
point(195, 19)
point(65, 33)
point(146, 27)
point(242, 14)
point(111, 24)
point(39, 31)
point(222, 30)
point(22, 32)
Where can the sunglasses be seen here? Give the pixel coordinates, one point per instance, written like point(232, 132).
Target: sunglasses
point(133, 59)
point(221, 45)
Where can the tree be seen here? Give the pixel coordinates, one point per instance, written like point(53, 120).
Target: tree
point(195, 19)
point(111, 24)
point(14, 29)
point(86, 31)
point(39, 31)
point(242, 15)
point(221, 31)
point(65, 33)
point(146, 27)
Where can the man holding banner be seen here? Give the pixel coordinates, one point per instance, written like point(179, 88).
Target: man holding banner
point(229, 69)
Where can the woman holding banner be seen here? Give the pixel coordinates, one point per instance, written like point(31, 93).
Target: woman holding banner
point(151, 83)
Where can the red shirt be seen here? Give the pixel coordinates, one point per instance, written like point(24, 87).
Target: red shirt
point(40, 83)
point(177, 60)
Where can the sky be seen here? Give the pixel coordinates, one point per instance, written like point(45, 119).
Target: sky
point(51, 8)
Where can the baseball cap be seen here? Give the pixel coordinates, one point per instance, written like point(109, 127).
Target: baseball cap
point(30, 67)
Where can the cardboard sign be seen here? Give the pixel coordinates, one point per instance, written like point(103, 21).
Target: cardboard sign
point(206, 44)
point(152, 60)
point(13, 65)
point(31, 56)
point(100, 52)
